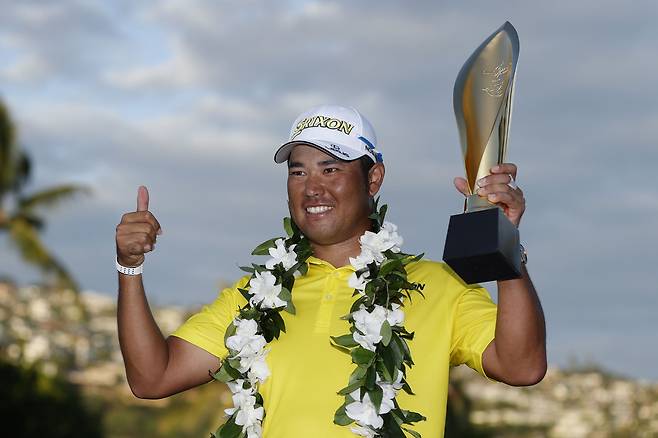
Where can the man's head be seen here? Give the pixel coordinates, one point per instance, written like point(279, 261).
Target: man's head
point(334, 171)
point(340, 131)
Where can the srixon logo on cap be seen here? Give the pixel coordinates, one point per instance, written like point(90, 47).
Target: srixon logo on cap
point(322, 122)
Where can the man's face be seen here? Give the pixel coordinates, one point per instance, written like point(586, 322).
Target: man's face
point(328, 198)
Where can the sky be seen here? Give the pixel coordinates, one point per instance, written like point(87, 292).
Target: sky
point(192, 98)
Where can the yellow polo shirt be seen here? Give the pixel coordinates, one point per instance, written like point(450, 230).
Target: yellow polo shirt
point(453, 324)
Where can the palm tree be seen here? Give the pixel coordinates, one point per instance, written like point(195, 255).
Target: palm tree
point(19, 212)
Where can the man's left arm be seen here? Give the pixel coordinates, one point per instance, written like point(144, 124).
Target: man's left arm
point(517, 355)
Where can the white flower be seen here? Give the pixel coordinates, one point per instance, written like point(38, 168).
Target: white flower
point(376, 243)
point(281, 255)
point(255, 363)
point(392, 237)
point(395, 316)
point(363, 411)
point(264, 291)
point(364, 431)
point(254, 431)
point(241, 397)
point(362, 260)
point(245, 342)
point(390, 390)
point(258, 369)
point(248, 416)
point(358, 282)
point(369, 326)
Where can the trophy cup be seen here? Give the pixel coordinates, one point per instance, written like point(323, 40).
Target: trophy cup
point(482, 244)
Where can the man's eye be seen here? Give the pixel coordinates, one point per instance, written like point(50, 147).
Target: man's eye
point(296, 173)
point(331, 170)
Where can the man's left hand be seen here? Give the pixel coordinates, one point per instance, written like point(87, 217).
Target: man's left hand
point(497, 189)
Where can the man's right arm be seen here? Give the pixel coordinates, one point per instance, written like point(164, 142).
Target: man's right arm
point(155, 367)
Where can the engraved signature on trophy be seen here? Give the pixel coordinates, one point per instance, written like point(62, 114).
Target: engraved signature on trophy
point(497, 86)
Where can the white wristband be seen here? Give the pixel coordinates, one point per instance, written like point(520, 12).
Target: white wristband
point(129, 270)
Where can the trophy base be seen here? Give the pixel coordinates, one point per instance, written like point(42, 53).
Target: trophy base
point(483, 246)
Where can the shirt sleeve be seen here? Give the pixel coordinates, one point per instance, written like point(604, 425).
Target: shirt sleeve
point(474, 327)
point(206, 328)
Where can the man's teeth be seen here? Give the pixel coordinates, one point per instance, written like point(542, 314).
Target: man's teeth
point(319, 209)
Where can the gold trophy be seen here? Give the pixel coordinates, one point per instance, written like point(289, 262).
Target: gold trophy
point(482, 244)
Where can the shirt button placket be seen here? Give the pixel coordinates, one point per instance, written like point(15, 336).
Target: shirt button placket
point(326, 306)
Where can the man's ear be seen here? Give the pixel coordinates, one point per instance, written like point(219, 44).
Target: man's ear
point(375, 178)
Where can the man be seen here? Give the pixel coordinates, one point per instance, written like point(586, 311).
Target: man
point(334, 171)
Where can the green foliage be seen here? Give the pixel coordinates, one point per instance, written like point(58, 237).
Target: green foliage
point(270, 322)
point(387, 285)
point(24, 222)
point(33, 405)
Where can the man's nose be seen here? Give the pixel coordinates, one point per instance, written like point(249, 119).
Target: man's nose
point(313, 186)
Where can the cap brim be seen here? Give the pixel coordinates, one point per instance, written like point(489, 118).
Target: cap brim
point(339, 152)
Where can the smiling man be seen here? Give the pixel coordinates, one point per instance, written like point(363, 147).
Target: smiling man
point(334, 172)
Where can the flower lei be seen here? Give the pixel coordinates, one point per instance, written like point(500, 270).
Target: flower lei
point(377, 342)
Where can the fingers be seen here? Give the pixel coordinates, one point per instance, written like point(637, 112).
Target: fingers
point(142, 232)
point(505, 168)
point(137, 233)
point(503, 178)
point(462, 185)
point(142, 198)
point(142, 216)
point(501, 193)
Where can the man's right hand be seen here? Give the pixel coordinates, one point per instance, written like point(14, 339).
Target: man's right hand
point(137, 232)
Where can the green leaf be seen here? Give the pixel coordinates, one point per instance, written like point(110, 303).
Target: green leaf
point(287, 225)
point(263, 248)
point(386, 333)
point(371, 378)
point(285, 294)
point(344, 341)
point(226, 373)
point(361, 356)
point(357, 304)
point(351, 387)
point(230, 331)
point(375, 217)
point(229, 429)
point(412, 432)
point(388, 266)
point(341, 418)
point(392, 356)
point(413, 417)
point(383, 371)
point(234, 362)
point(407, 388)
point(248, 269)
point(376, 395)
point(358, 374)
point(245, 293)
point(278, 321)
point(403, 348)
point(382, 212)
point(392, 427)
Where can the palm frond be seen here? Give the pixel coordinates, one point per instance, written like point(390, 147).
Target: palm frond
point(26, 238)
point(50, 197)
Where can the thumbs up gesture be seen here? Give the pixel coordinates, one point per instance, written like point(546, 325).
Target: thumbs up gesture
point(137, 232)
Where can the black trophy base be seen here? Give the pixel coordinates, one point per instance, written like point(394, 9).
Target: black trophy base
point(483, 246)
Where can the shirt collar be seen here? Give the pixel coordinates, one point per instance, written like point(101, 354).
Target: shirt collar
point(312, 260)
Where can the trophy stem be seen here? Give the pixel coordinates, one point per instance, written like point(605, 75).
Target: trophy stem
point(477, 203)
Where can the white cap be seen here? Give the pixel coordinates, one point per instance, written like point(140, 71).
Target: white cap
point(340, 131)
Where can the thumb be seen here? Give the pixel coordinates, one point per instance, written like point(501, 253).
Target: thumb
point(142, 198)
point(462, 186)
